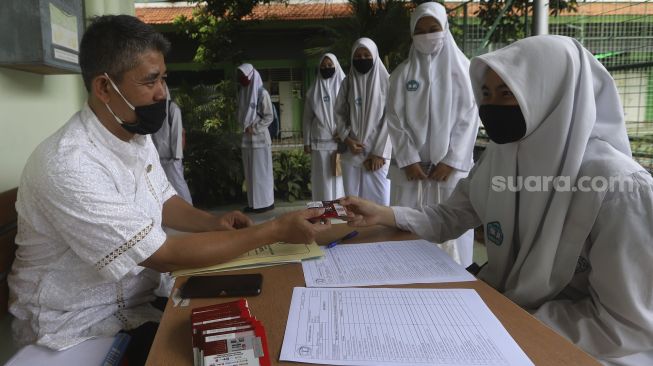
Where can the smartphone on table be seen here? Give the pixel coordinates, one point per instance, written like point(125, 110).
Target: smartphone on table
point(222, 286)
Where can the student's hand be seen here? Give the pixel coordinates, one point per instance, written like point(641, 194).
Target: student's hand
point(441, 172)
point(361, 212)
point(298, 228)
point(414, 172)
point(307, 149)
point(249, 130)
point(354, 146)
point(373, 163)
point(233, 220)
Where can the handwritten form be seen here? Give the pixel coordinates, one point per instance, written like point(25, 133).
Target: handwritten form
point(383, 263)
point(376, 326)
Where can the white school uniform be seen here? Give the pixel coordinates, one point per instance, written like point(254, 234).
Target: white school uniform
point(319, 131)
point(256, 148)
point(360, 110)
point(580, 260)
point(168, 143)
point(89, 211)
point(432, 118)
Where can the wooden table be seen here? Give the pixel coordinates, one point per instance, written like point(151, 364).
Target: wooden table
point(172, 345)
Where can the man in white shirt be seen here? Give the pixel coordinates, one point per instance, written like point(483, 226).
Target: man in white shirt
point(93, 198)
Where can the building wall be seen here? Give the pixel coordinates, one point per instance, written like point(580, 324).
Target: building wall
point(33, 106)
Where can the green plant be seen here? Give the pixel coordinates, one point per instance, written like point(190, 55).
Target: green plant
point(212, 158)
point(292, 175)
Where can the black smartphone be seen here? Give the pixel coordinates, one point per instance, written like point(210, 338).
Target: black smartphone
point(222, 286)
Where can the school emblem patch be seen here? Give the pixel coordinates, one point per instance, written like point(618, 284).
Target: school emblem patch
point(326, 99)
point(412, 85)
point(358, 101)
point(252, 105)
point(494, 233)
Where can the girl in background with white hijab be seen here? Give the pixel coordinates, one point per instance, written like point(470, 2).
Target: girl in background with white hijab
point(255, 114)
point(320, 129)
point(432, 120)
point(577, 250)
point(360, 121)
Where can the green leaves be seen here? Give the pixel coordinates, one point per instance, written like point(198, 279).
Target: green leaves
point(292, 175)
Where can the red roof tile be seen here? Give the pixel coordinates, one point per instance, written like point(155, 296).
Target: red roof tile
point(318, 10)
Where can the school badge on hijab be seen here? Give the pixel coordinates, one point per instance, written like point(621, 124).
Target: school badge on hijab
point(326, 99)
point(412, 85)
point(494, 233)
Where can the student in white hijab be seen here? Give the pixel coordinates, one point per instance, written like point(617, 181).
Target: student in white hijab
point(255, 113)
point(432, 120)
point(320, 129)
point(360, 121)
point(168, 143)
point(576, 251)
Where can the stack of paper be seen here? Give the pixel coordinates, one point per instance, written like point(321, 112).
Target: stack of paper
point(267, 255)
point(384, 263)
point(377, 326)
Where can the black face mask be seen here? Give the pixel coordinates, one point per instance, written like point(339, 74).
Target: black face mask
point(327, 72)
point(363, 65)
point(149, 118)
point(503, 123)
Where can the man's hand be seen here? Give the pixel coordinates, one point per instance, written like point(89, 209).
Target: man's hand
point(354, 146)
point(362, 212)
point(414, 172)
point(233, 220)
point(296, 227)
point(249, 130)
point(373, 163)
point(441, 172)
point(307, 149)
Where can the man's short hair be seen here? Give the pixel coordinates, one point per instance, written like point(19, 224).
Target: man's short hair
point(114, 43)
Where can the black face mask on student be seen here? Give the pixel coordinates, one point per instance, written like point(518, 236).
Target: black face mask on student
point(327, 72)
point(503, 123)
point(363, 65)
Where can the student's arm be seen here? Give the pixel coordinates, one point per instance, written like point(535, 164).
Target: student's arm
point(463, 134)
point(435, 223)
point(176, 130)
point(382, 147)
point(442, 222)
point(307, 121)
point(341, 111)
point(264, 115)
point(617, 318)
point(204, 249)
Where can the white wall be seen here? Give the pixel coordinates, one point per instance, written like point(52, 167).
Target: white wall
point(33, 106)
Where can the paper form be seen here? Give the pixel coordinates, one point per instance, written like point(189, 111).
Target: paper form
point(383, 263)
point(266, 255)
point(376, 326)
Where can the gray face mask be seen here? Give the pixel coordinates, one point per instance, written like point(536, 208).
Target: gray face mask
point(149, 118)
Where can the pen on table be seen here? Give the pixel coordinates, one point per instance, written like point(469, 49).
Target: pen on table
point(348, 236)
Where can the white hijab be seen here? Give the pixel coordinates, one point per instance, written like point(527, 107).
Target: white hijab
point(367, 90)
point(570, 104)
point(248, 96)
point(443, 89)
point(326, 88)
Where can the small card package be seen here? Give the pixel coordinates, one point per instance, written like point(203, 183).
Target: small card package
point(333, 209)
point(228, 335)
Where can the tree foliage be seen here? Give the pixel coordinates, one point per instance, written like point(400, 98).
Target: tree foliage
point(215, 25)
point(514, 24)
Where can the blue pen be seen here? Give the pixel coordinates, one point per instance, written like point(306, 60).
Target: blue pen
point(346, 237)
